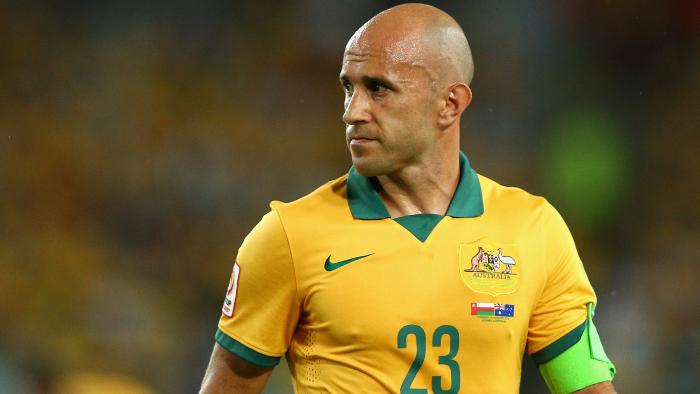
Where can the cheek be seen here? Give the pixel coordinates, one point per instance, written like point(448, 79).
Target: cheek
point(419, 115)
point(406, 122)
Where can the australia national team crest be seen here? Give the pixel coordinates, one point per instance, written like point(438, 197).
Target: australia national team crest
point(490, 268)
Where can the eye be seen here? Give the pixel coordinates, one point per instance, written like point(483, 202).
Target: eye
point(347, 88)
point(378, 87)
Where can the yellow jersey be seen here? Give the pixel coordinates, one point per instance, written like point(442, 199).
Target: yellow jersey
point(360, 302)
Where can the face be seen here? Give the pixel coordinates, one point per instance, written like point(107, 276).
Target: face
point(390, 107)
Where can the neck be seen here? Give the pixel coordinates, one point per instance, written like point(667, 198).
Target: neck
point(424, 187)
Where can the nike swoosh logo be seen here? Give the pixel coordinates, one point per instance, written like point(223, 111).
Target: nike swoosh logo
point(329, 266)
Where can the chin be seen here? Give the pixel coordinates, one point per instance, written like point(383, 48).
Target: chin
point(368, 167)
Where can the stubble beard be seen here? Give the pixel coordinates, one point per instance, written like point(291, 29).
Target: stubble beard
point(368, 166)
point(371, 164)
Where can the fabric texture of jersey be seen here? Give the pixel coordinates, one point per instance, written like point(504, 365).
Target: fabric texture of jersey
point(361, 302)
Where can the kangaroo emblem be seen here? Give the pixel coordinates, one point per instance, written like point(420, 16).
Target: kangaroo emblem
point(507, 260)
point(484, 267)
point(476, 260)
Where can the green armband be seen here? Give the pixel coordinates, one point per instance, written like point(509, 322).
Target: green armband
point(581, 365)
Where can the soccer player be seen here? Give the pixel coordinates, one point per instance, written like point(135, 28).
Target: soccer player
point(412, 273)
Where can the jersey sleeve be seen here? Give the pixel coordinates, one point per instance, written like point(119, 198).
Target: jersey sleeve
point(261, 307)
point(582, 365)
point(559, 316)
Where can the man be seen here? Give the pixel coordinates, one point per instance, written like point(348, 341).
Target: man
point(389, 279)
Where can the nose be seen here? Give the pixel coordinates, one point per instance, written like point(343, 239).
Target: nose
point(356, 108)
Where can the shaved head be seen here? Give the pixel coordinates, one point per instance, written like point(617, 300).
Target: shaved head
point(421, 36)
point(405, 75)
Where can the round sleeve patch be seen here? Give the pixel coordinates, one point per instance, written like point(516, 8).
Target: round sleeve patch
point(230, 301)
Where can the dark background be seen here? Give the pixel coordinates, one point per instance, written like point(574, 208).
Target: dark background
point(141, 141)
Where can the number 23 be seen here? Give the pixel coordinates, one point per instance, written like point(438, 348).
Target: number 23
point(448, 359)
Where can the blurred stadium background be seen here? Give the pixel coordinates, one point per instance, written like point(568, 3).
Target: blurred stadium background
point(140, 142)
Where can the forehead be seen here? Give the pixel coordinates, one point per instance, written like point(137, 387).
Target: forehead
point(381, 53)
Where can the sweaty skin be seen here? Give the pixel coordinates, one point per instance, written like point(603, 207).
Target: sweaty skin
point(406, 75)
point(418, 35)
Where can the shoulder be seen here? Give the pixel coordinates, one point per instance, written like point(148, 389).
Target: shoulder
point(275, 225)
point(273, 236)
point(530, 216)
point(512, 200)
point(328, 201)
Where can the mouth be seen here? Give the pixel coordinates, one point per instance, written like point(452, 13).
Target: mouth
point(360, 140)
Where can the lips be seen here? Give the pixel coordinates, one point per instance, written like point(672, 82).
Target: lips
point(357, 136)
point(360, 140)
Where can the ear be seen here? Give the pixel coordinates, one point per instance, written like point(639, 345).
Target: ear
point(458, 98)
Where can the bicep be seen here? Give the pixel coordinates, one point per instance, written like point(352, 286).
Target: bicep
point(598, 388)
point(582, 366)
point(228, 373)
point(561, 305)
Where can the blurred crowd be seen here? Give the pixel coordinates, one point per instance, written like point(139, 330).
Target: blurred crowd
point(140, 142)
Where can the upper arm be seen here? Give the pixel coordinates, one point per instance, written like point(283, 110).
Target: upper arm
point(598, 388)
point(228, 373)
point(262, 306)
point(562, 338)
point(561, 306)
point(582, 366)
point(260, 313)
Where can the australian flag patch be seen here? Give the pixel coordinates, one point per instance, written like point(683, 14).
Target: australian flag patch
point(491, 309)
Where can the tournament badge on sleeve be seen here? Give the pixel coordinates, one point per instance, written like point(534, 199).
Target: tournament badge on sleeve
point(488, 268)
point(230, 301)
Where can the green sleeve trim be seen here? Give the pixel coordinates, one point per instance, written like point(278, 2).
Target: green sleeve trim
point(560, 345)
point(245, 352)
point(583, 364)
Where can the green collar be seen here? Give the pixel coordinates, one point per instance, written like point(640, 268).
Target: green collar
point(365, 203)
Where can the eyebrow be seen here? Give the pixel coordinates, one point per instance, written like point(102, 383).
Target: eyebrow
point(370, 80)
